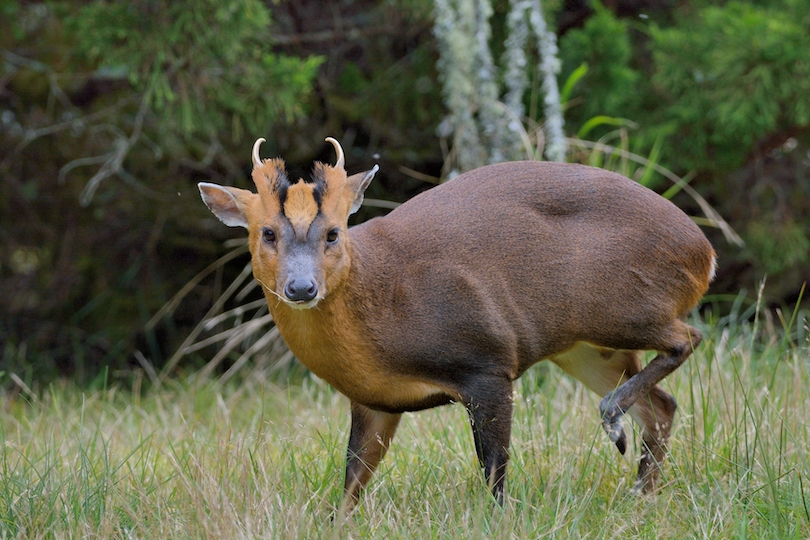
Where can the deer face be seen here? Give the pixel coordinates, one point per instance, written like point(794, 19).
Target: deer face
point(298, 241)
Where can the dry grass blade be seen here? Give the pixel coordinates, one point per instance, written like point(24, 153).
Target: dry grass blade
point(261, 344)
point(147, 367)
point(201, 326)
point(172, 304)
point(23, 387)
point(239, 333)
point(235, 312)
point(419, 175)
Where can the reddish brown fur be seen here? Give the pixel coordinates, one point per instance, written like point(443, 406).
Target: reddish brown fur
point(456, 293)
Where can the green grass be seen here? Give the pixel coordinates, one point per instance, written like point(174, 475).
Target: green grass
point(256, 460)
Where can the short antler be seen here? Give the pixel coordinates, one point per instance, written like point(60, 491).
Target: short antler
point(257, 162)
point(340, 163)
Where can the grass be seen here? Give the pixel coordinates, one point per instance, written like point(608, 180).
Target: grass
point(255, 460)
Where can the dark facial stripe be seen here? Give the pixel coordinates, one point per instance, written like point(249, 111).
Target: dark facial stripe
point(321, 187)
point(281, 185)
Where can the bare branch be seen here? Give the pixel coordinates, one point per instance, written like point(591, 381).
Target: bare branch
point(116, 158)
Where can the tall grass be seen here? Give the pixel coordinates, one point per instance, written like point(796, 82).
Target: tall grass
point(257, 460)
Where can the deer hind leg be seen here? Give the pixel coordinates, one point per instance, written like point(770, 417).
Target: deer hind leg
point(654, 413)
point(605, 370)
point(676, 342)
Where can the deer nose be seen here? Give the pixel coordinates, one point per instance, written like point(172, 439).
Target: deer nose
point(301, 290)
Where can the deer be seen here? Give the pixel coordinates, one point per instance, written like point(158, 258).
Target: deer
point(453, 295)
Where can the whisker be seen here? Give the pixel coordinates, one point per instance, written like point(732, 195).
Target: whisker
point(288, 302)
point(272, 291)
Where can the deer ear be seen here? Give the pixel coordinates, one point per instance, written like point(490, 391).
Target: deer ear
point(358, 183)
point(227, 203)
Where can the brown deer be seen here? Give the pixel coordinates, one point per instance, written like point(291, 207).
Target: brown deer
point(457, 292)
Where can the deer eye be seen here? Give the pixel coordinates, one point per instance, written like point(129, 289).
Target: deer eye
point(332, 236)
point(269, 236)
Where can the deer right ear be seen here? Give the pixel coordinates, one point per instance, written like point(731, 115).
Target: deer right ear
point(227, 203)
point(358, 183)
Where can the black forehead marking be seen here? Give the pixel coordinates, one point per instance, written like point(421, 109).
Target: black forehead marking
point(318, 182)
point(320, 185)
point(281, 185)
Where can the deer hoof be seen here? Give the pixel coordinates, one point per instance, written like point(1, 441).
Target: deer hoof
point(612, 423)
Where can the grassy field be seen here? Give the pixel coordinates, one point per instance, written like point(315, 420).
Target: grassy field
point(256, 460)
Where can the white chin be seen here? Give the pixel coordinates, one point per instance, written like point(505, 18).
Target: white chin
point(304, 305)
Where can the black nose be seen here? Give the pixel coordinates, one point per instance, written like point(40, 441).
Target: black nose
point(301, 290)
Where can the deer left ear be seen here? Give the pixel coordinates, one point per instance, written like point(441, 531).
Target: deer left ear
point(358, 184)
point(227, 203)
